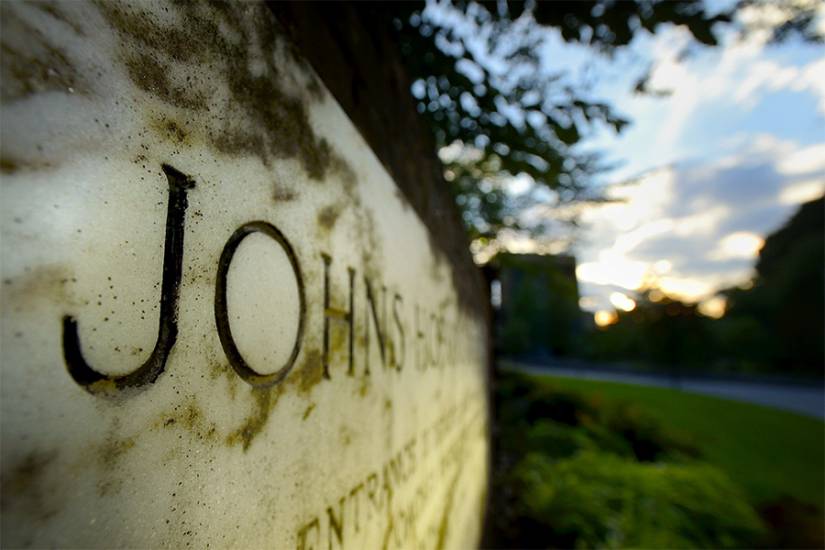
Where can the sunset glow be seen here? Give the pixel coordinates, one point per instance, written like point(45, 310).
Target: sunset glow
point(713, 307)
point(742, 244)
point(604, 318)
point(622, 301)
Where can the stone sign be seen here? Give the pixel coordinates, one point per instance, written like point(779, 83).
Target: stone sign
point(222, 323)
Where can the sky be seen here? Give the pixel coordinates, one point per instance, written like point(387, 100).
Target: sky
point(719, 163)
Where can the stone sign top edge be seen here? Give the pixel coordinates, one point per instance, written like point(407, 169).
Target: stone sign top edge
point(228, 78)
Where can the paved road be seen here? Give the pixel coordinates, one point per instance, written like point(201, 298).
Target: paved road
point(809, 401)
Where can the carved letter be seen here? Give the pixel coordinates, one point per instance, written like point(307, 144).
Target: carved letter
point(331, 313)
point(399, 357)
point(421, 347)
point(336, 525)
point(356, 504)
point(222, 318)
point(149, 371)
point(378, 328)
point(313, 525)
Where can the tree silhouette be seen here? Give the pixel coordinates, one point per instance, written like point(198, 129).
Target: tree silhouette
point(481, 83)
point(780, 320)
point(478, 82)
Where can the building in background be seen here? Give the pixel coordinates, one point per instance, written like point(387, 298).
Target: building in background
point(537, 302)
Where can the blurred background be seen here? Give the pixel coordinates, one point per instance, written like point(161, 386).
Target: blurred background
point(642, 185)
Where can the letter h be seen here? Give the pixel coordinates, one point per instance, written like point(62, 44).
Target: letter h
point(335, 314)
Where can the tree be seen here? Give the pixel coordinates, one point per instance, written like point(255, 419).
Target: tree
point(782, 309)
point(486, 95)
point(482, 96)
point(661, 330)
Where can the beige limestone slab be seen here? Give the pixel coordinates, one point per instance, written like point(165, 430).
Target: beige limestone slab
point(136, 141)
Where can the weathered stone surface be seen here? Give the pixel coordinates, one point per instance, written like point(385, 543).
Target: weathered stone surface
point(221, 322)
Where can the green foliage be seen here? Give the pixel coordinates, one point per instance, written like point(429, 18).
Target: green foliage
point(768, 452)
point(744, 342)
point(663, 331)
point(560, 439)
point(572, 471)
point(542, 415)
point(602, 500)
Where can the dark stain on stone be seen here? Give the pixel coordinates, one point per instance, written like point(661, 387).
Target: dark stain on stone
point(279, 122)
point(178, 42)
point(8, 166)
point(113, 449)
point(264, 400)
point(109, 454)
point(218, 370)
point(24, 486)
point(328, 215)
point(348, 178)
point(371, 246)
point(364, 386)
point(47, 282)
point(29, 62)
point(310, 372)
point(303, 377)
point(174, 131)
point(259, 118)
point(189, 416)
point(153, 76)
point(53, 8)
point(282, 195)
point(27, 473)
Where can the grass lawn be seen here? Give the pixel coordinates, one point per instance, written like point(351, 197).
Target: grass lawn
point(770, 453)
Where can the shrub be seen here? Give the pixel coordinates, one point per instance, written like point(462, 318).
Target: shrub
point(601, 500)
point(571, 471)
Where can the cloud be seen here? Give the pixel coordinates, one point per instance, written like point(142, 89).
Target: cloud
point(735, 182)
point(736, 147)
point(743, 245)
point(757, 218)
point(697, 226)
point(809, 160)
point(802, 191)
point(615, 269)
point(735, 76)
point(765, 77)
point(686, 288)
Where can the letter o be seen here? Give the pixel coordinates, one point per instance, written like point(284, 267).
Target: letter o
point(221, 313)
